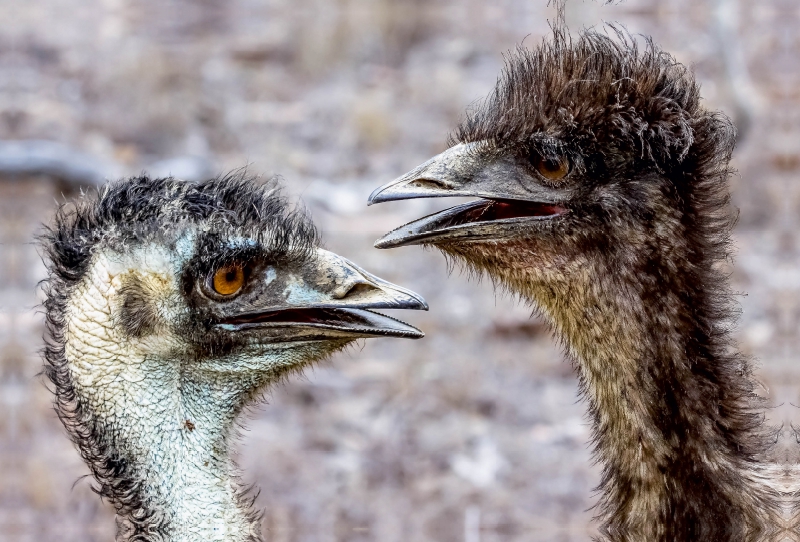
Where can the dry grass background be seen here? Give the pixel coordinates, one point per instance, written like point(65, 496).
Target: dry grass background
point(474, 433)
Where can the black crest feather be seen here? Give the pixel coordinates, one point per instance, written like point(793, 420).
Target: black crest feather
point(597, 90)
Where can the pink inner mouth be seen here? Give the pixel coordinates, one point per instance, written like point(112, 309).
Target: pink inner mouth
point(491, 210)
point(515, 209)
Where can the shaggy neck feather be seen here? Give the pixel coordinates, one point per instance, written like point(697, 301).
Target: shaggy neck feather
point(671, 403)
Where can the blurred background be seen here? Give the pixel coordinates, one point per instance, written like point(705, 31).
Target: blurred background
point(475, 433)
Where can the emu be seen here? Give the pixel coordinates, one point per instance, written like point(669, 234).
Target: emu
point(603, 201)
point(170, 307)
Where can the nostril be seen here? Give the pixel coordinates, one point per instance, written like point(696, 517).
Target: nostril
point(430, 183)
point(360, 288)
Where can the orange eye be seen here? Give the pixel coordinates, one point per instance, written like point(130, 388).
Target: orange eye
point(228, 280)
point(552, 168)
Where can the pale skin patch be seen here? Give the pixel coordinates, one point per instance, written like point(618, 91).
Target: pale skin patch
point(125, 379)
point(167, 413)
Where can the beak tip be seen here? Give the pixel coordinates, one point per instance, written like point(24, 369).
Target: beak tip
point(392, 241)
point(415, 302)
point(375, 196)
point(395, 238)
point(385, 242)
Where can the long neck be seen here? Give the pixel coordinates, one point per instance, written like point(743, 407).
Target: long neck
point(672, 403)
point(672, 408)
point(170, 432)
point(154, 429)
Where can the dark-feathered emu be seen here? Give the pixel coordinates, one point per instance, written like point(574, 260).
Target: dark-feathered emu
point(170, 307)
point(604, 202)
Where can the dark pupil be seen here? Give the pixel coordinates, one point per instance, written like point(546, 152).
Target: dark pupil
point(230, 276)
point(552, 165)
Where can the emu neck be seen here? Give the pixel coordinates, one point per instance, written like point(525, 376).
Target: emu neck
point(175, 435)
point(172, 431)
point(160, 426)
point(671, 403)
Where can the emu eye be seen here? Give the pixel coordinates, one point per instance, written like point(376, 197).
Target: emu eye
point(228, 280)
point(552, 168)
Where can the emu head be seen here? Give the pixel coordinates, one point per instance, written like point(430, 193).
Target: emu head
point(169, 307)
point(219, 273)
point(589, 157)
point(173, 299)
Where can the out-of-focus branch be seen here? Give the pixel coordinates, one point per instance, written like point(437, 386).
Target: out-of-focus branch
point(29, 157)
point(34, 156)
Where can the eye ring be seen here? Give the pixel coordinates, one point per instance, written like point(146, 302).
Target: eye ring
point(228, 280)
point(552, 167)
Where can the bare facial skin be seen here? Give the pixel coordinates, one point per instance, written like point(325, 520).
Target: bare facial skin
point(603, 201)
point(171, 307)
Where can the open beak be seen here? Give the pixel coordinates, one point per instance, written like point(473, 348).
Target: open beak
point(510, 198)
point(334, 299)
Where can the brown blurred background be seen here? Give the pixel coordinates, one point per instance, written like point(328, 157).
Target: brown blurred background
point(473, 434)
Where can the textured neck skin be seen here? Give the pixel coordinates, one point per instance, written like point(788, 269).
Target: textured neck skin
point(672, 403)
point(161, 421)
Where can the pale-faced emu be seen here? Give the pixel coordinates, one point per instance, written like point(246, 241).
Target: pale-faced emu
point(604, 203)
point(170, 307)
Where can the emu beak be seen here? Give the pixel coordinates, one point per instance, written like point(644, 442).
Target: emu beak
point(331, 299)
point(510, 197)
point(458, 171)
